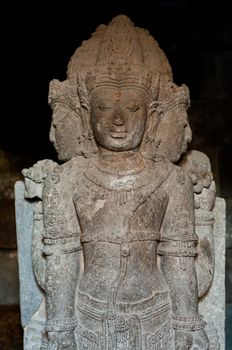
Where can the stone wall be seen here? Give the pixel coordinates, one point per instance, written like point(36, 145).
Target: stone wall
point(8, 255)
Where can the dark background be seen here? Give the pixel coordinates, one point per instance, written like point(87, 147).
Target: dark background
point(37, 41)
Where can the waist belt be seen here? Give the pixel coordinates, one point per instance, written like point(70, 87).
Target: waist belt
point(146, 309)
point(116, 239)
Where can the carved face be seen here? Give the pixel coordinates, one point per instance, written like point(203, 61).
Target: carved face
point(65, 131)
point(174, 133)
point(118, 117)
point(198, 166)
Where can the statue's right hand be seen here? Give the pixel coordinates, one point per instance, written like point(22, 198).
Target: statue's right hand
point(62, 341)
point(205, 200)
point(34, 177)
point(183, 340)
point(196, 340)
point(39, 170)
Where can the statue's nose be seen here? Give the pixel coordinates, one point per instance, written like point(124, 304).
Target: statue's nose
point(188, 134)
point(52, 134)
point(118, 118)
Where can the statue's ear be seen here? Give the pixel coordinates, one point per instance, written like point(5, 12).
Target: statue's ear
point(154, 115)
point(55, 88)
point(83, 92)
point(158, 138)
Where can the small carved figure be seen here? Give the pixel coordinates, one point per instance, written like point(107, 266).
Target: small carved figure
point(116, 222)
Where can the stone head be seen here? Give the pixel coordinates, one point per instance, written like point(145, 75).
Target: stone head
point(123, 72)
point(198, 166)
point(67, 129)
point(64, 119)
point(174, 132)
point(62, 135)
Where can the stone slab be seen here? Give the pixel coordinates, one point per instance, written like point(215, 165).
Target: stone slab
point(30, 294)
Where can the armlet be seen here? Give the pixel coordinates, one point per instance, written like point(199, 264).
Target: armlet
point(61, 325)
point(204, 218)
point(177, 248)
point(188, 323)
point(63, 245)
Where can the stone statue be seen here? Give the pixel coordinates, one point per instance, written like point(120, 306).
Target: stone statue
point(118, 248)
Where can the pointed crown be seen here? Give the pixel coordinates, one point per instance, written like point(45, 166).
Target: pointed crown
point(120, 60)
point(120, 54)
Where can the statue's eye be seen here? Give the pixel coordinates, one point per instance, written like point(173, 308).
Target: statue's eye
point(103, 108)
point(133, 108)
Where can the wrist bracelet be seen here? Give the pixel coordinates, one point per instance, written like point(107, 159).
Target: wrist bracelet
point(62, 245)
point(61, 325)
point(204, 218)
point(188, 323)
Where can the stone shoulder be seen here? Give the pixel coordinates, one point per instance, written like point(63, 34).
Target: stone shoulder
point(72, 171)
point(75, 166)
point(39, 175)
point(176, 177)
point(35, 176)
point(39, 171)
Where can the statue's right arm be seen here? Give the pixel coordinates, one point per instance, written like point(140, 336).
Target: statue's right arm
point(34, 180)
point(55, 249)
point(63, 254)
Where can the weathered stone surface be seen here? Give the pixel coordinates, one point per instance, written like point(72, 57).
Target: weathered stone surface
point(122, 237)
point(9, 285)
point(212, 306)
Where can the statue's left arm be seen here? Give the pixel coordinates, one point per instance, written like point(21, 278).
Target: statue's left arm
point(177, 249)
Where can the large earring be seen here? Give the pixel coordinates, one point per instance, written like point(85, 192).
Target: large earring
point(153, 120)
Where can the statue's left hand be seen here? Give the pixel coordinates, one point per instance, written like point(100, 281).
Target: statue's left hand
point(206, 199)
point(200, 340)
point(62, 341)
point(196, 340)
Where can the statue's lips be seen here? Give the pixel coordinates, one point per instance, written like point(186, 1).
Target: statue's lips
point(118, 135)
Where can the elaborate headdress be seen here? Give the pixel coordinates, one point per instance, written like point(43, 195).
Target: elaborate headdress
point(121, 54)
point(117, 55)
point(120, 60)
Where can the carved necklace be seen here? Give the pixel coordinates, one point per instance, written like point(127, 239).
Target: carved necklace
point(125, 188)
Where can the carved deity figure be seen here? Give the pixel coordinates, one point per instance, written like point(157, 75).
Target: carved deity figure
point(115, 246)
